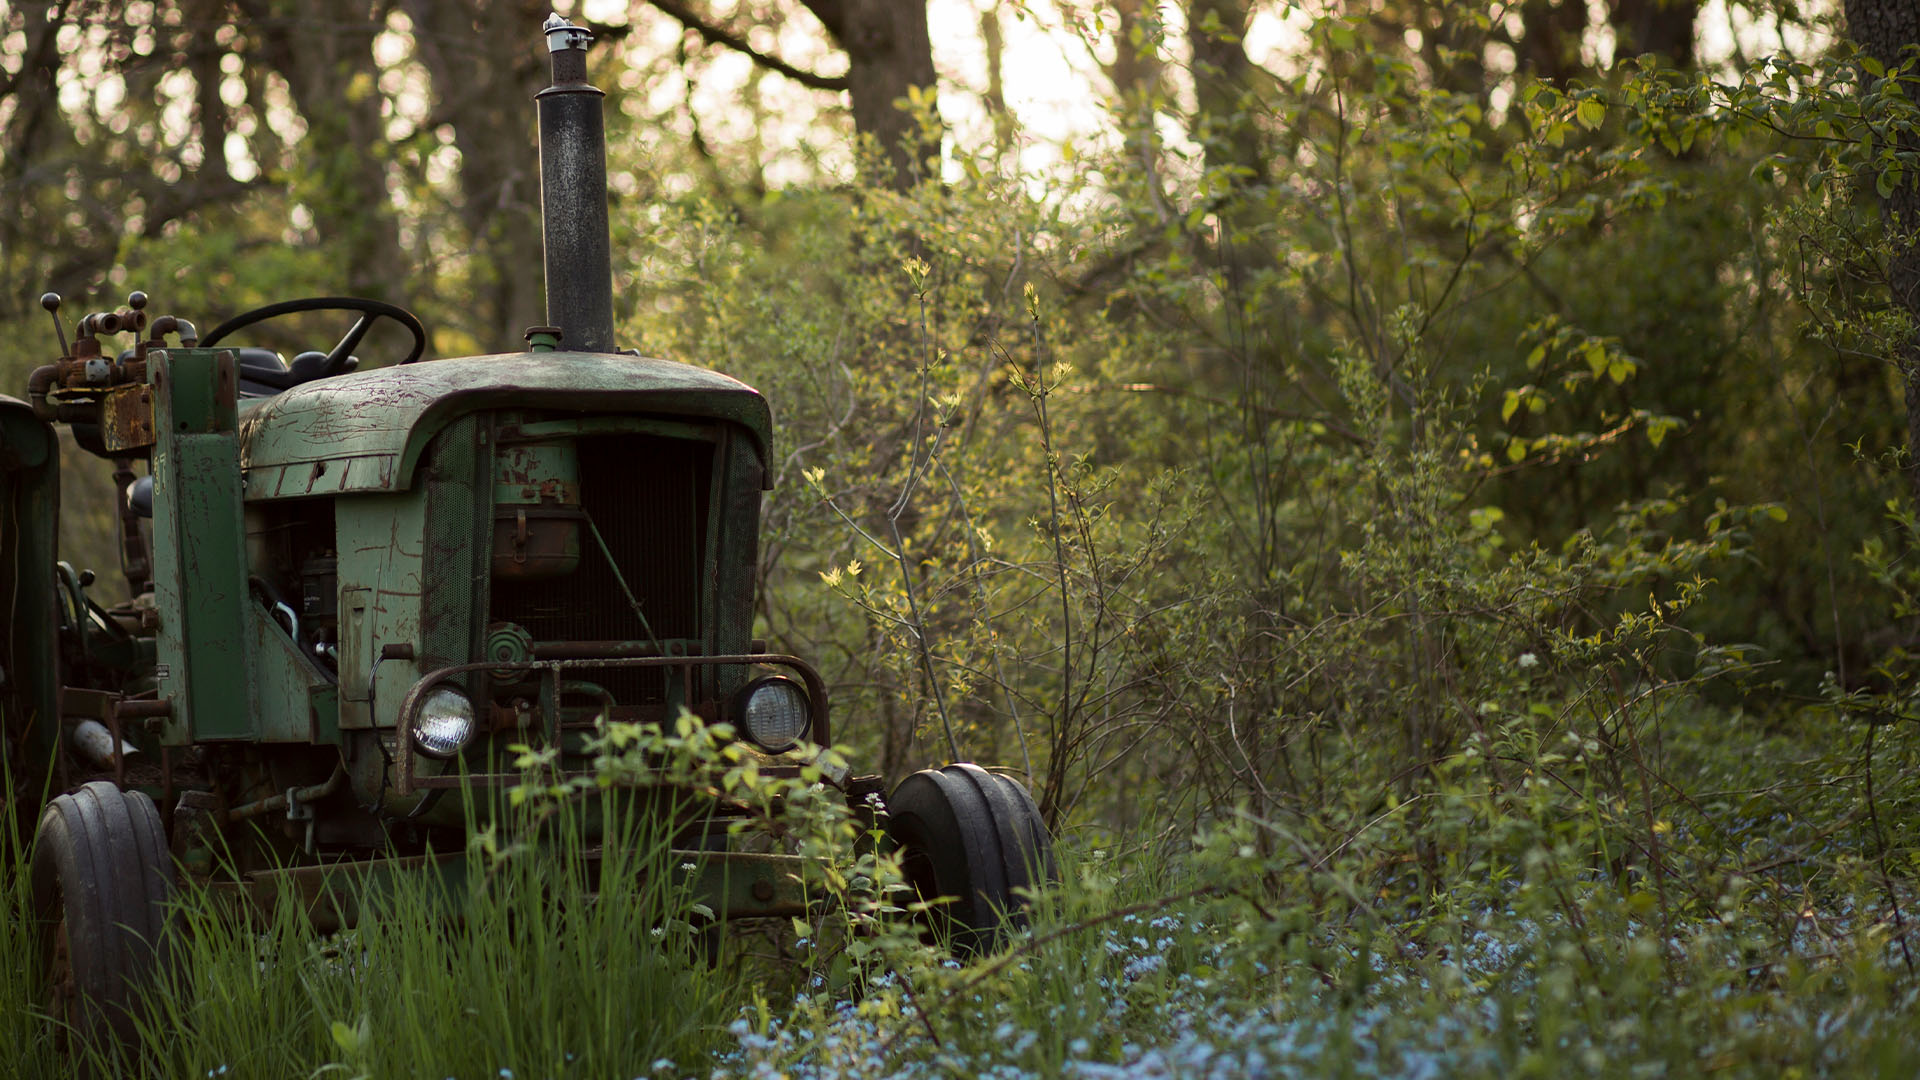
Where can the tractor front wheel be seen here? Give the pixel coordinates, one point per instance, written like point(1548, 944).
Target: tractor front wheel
point(102, 880)
point(974, 842)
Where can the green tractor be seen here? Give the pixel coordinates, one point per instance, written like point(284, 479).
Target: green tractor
point(353, 590)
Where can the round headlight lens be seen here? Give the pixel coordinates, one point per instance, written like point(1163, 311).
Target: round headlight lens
point(776, 713)
point(444, 723)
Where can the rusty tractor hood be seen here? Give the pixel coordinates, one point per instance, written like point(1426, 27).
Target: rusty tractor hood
point(364, 432)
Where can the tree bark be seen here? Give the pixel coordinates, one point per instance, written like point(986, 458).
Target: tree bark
point(1663, 28)
point(1884, 29)
point(1549, 45)
point(1135, 70)
point(486, 69)
point(324, 49)
point(1222, 77)
point(889, 57)
point(994, 37)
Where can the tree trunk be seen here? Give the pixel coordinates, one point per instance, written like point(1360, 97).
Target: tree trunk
point(1549, 45)
point(1222, 77)
point(992, 35)
point(1882, 28)
point(889, 63)
point(1136, 68)
point(486, 70)
point(324, 49)
point(29, 130)
point(1451, 48)
point(889, 58)
point(1661, 27)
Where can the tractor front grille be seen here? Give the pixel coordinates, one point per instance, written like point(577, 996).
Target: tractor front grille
point(648, 497)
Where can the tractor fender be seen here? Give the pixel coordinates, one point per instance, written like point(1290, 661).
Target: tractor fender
point(29, 636)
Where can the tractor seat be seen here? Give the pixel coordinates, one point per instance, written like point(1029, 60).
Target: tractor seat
point(263, 373)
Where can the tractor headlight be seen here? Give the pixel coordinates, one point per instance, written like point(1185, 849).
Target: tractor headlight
point(444, 723)
point(775, 712)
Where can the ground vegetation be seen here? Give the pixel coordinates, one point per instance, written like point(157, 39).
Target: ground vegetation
point(1425, 502)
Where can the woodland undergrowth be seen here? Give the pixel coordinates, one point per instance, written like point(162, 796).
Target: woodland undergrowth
point(1449, 589)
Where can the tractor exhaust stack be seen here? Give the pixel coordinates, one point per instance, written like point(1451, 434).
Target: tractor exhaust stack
point(573, 196)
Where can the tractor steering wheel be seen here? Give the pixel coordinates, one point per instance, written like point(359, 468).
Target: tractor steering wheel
point(336, 361)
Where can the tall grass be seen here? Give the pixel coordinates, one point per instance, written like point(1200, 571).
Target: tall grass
point(1251, 947)
point(1207, 958)
point(518, 969)
point(28, 1039)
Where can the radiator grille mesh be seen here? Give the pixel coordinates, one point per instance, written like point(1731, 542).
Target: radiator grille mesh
point(648, 495)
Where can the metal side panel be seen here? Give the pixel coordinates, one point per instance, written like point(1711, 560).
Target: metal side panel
point(293, 698)
point(205, 646)
point(381, 541)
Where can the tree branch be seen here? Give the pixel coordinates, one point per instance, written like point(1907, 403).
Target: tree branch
point(718, 35)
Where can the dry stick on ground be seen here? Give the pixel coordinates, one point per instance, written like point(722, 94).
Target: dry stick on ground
point(926, 1020)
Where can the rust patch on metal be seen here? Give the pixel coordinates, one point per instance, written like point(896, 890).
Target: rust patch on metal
point(226, 389)
point(92, 704)
point(535, 541)
point(126, 418)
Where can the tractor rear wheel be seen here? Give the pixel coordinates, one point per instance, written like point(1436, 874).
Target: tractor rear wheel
point(974, 840)
point(102, 882)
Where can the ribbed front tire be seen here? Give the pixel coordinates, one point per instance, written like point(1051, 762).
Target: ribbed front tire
point(102, 882)
point(974, 840)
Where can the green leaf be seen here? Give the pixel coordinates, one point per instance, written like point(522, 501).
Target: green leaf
point(348, 1038)
point(1777, 513)
point(1595, 355)
point(1516, 449)
point(1510, 406)
point(1591, 113)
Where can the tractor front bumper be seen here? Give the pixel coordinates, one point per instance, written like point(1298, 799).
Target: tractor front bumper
point(559, 677)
